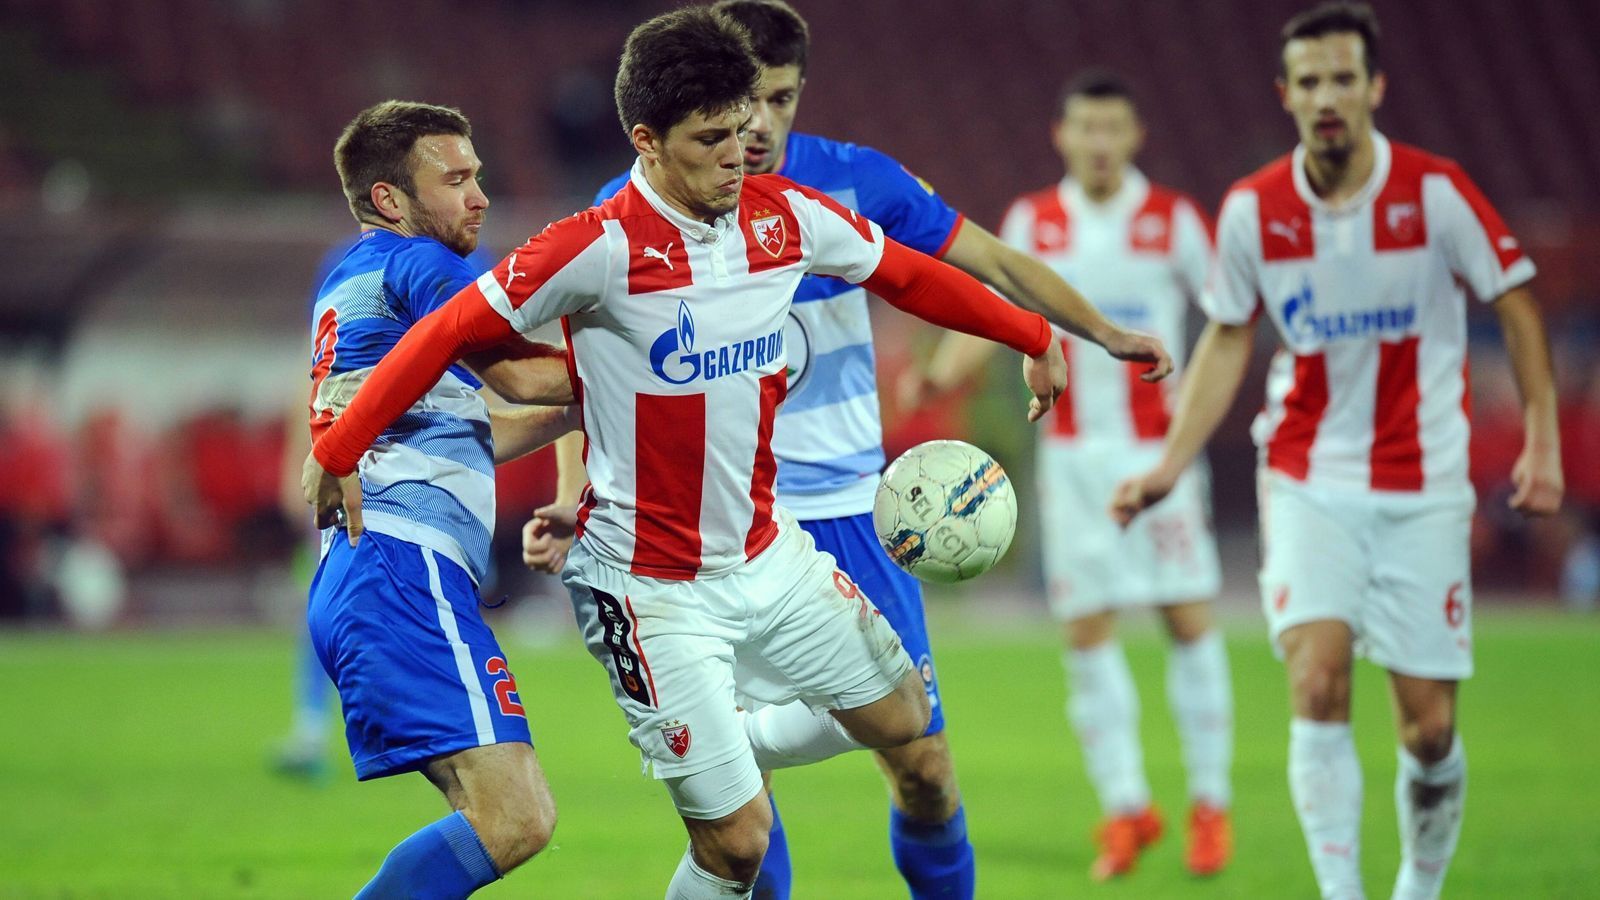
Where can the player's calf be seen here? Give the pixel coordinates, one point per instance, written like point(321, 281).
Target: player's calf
point(729, 848)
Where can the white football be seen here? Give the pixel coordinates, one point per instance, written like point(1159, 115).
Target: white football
point(945, 511)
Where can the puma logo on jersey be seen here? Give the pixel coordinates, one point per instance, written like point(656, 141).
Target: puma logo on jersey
point(511, 271)
point(1285, 230)
point(653, 253)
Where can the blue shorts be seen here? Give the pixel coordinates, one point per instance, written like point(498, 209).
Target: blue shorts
point(854, 543)
point(419, 674)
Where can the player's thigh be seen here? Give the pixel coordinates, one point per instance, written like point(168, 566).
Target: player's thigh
point(853, 543)
point(502, 780)
point(668, 649)
point(822, 640)
point(1079, 543)
point(1315, 562)
point(1419, 619)
point(419, 673)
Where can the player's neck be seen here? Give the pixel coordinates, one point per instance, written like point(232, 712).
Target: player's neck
point(1102, 192)
point(1336, 179)
point(653, 177)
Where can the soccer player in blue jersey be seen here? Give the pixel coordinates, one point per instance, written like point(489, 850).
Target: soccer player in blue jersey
point(828, 438)
point(394, 615)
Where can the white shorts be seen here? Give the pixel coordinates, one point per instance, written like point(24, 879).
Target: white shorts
point(682, 655)
point(1168, 554)
point(1395, 567)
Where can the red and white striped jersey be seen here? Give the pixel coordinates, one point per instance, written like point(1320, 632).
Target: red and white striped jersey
point(675, 328)
point(1139, 257)
point(1369, 300)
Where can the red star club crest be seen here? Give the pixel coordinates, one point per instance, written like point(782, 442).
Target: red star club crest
point(678, 739)
point(770, 234)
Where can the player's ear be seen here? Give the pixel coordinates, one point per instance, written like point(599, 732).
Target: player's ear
point(1379, 85)
point(386, 197)
point(645, 142)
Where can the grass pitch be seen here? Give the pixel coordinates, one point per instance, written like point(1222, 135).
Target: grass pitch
point(135, 766)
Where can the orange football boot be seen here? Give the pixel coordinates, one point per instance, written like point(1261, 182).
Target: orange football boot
point(1210, 839)
point(1121, 838)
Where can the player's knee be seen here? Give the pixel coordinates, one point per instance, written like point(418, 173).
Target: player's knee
point(924, 784)
point(735, 854)
point(518, 828)
point(1428, 737)
point(1320, 692)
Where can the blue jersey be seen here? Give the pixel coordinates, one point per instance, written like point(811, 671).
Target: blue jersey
point(829, 436)
point(429, 478)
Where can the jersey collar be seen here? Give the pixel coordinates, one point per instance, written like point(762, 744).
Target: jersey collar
point(1380, 173)
point(1135, 188)
point(694, 228)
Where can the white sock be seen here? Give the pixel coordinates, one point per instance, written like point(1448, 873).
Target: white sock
point(794, 735)
point(1325, 783)
point(1201, 694)
point(691, 882)
point(1103, 707)
point(1429, 800)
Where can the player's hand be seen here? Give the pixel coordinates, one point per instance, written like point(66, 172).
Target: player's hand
point(1133, 346)
point(547, 537)
point(336, 501)
point(1136, 495)
point(1046, 375)
point(914, 390)
point(1538, 481)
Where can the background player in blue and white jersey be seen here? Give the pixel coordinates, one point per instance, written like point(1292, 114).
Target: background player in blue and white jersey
point(828, 438)
point(394, 615)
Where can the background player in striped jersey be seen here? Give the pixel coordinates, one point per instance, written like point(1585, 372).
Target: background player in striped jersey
point(1362, 251)
point(693, 589)
point(1141, 253)
point(394, 617)
point(828, 438)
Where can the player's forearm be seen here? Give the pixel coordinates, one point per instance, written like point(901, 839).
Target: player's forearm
point(1529, 350)
point(956, 358)
point(467, 323)
point(519, 431)
point(1034, 285)
point(570, 473)
point(528, 372)
point(947, 297)
point(1209, 386)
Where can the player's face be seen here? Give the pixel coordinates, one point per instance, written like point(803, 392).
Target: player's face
point(772, 112)
point(700, 161)
point(1326, 88)
point(1097, 138)
point(449, 203)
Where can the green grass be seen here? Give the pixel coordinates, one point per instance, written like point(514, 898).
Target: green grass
point(134, 766)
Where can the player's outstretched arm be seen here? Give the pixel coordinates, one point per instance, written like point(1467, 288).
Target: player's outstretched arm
point(1220, 359)
point(520, 430)
point(1031, 284)
point(941, 294)
point(1537, 474)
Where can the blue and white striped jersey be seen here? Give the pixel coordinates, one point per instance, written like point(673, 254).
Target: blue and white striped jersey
point(828, 437)
point(429, 479)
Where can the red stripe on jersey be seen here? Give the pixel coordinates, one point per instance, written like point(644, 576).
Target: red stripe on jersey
point(670, 449)
point(1052, 229)
point(774, 388)
point(325, 344)
point(1147, 404)
point(528, 267)
point(771, 234)
point(1289, 448)
point(1284, 218)
point(1506, 247)
point(1065, 422)
point(638, 650)
point(1398, 222)
point(1396, 447)
point(586, 500)
point(1150, 229)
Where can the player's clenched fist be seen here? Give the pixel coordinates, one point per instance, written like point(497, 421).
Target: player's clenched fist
point(1046, 375)
point(547, 537)
point(330, 495)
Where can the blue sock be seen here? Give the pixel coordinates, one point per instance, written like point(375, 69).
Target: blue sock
point(773, 882)
point(936, 860)
point(442, 861)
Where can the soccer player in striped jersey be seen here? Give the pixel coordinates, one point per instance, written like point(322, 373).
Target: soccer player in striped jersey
point(828, 438)
point(1363, 253)
point(394, 618)
point(695, 590)
point(1141, 252)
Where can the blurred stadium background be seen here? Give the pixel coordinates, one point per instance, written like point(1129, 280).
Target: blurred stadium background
point(166, 191)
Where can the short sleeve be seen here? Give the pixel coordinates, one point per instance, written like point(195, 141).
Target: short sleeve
point(843, 242)
point(906, 207)
point(1232, 289)
point(1192, 247)
point(560, 271)
point(1478, 247)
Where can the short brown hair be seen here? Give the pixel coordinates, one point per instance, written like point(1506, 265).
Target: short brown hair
point(376, 146)
point(777, 32)
point(1096, 84)
point(1335, 17)
point(686, 61)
